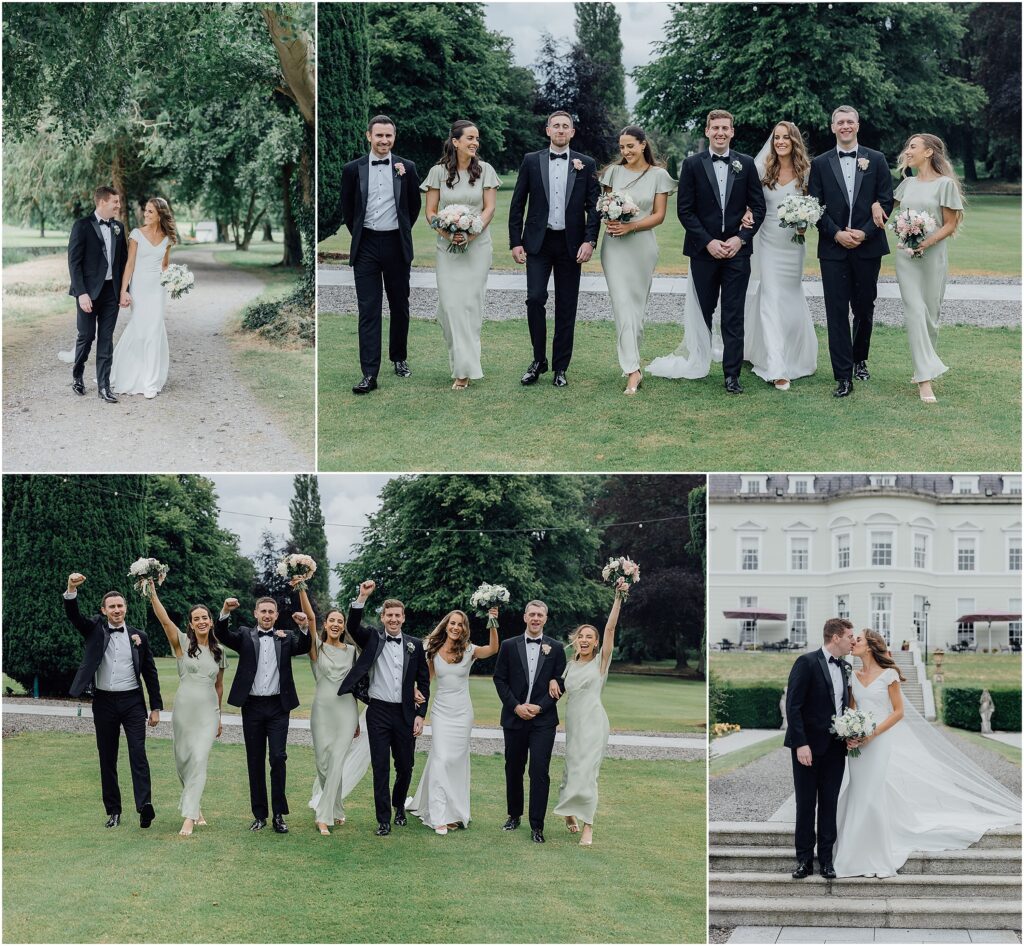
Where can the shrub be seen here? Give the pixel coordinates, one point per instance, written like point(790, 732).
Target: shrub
point(960, 708)
point(752, 707)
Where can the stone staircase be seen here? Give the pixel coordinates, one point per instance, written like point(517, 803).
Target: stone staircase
point(912, 689)
point(749, 884)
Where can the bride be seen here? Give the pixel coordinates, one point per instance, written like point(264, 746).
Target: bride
point(910, 789)
point(141, 356)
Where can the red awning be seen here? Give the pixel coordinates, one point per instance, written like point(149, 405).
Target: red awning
point(755, 614)
point(988, 616)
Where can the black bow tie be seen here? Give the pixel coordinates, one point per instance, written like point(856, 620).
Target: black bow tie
point(375, 163)
point(105, 223)
point(115, 630)
point(533, 640)
point(558, 157)
point(836, 661)
point(847, 154)
point(269, 633)
point(392, 640)
point(719, 157)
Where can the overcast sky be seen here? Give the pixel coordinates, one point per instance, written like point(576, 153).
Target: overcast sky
point(524, 23)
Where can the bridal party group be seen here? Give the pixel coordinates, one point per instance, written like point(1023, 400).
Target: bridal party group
point(397, 675)
point(745, 220)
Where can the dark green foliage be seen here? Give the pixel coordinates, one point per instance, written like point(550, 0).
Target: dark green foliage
point(752, 707)
point(960, 708)
point(716, 700)
point(597, 30)
point(309, 536)
point(698, 508)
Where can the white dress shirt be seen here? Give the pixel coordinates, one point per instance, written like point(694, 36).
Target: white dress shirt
point(721, 169)
point(558, 174)
point(849, 168)
point(386, 673)
point(108, 244)
point(838, 683)
point(381, 212)
point(116, 671)
point(533, 654)
point(267, 681)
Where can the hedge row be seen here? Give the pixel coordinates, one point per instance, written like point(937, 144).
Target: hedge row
point(960, 708)
point(752, 707)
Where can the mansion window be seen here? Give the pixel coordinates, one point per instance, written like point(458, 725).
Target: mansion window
point(920, 550)
point(843, 606)
point(843, 550)
point(799, 554)
point(882, 480)
point(801, 485)
point(749, 554)
point(1011, 485)
point(753, 485)
point(748, 629)
point(965, 554)
point(881, 549)
point(965, 485)
point(798, 621)
point(881, 615)
point(1013, 554)
point(1015, 629)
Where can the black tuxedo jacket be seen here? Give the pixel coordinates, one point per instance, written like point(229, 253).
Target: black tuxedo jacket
point(96, 635)
point(355, 178)
point(582, 221)
point(245, 641)
point(699, 208)
point(87, 256)
point(512, 681)
point(415, 672)
point(809, 703)
point(828, 185)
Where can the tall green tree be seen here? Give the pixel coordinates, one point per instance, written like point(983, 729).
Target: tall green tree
point(308, 534)
point(55, 525)
point(697, 547)
point(597, 31)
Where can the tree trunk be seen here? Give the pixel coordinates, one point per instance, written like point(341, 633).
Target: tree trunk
point(291, 237)
point(222, 231)
point(295, 52)
point(268, 233)
point(249, 227)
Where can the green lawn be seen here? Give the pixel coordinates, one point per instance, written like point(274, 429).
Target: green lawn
point(68, 879)
point(989, 244)
point(993, 745)
point(634, 703)
point(669, 425)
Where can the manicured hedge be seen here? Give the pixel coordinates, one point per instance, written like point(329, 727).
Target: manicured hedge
point(753, 707)
point(960, 708)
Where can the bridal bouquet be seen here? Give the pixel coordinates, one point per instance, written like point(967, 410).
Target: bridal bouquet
point(617, 206)
point(487, 597)
point(457, 218)
point(297, 566)
point(912, 228)
point(799, 211)
point(853, 724)
point(177, 279)
point(621, 567)
point(145, 570)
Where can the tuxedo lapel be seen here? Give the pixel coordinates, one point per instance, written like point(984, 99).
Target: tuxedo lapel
point(545, 173)
point(709, 169)
point(858, 174)
point(255, 638)
point(135, 650)
point(570, 178)
point(823, 663)
point(729, 178)
point(99, 233)
point(521, 647)
point(833, 160)
point(405, 658)
point(364, 180)
point(278, 643)
point(397, 182)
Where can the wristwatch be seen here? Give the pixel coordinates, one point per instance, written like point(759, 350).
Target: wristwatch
point(593, 243)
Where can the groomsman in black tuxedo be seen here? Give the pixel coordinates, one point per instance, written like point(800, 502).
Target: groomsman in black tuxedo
point(818, 690)
point(97, 251)
point(848, 179)
point(265, 690)
point(380, 201)
point(559, 234)
point(715, 189)
point(526, 666)
point(117, 659)
point(397, 669)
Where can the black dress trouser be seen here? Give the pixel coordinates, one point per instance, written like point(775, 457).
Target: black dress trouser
point(265, 722)
point(381, 268)
point(390, 736)
point(849, 284)
point(817, 790)
point(553, 257)
point(533, 743)
point(98, 324)
point(113, 711)
point(728, 278)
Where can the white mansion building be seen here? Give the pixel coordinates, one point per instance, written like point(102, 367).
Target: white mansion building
point(904, 554)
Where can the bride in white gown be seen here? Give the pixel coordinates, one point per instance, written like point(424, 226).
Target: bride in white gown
point(910, 789)
point(442, 797)
point(141, 356)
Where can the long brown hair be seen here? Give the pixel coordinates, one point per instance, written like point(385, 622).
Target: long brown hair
point(193, 641)
point(449, 159)
point(436, 638)
point(575, 634)
point(880, 651)
point(801, 160)
point(635, 131)
point(940, 164)
point(345, 636)
point(165, 218)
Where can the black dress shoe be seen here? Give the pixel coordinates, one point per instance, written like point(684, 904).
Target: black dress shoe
point(78, 386)
point(258, 824)
point(803, 869)
point(107, 395)
point(368, 384)
point(559, 379)
point(400, 817)
point(511, 824)
point(383, 829)
point(536, 369)
point(733, 386)
point(146, 816)
point(860, 371)
point(843, 389)
point(279, 826)
point(113, 821)
point(537, 836)
point(402, 369)
point(828, 872)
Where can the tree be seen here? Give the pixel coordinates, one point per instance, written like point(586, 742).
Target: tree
point(597, 31)
point(525, 132)
point(55, 525)
point(698, 548)
point(308, 534)
point(267, 583)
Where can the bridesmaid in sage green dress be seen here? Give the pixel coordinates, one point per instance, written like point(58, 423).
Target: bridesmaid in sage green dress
point(195, 721)
point(586, 722)
point(462, 178)
point(629, 251)
point(934, 189)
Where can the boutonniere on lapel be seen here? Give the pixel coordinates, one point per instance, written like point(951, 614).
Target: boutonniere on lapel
point(546, 648)
point(846, 668)
point(400, 169)
point(863, 163)
point(736, 167)
point(116, 228)
point(409, 646)
point(136, 640)
point(577, 164)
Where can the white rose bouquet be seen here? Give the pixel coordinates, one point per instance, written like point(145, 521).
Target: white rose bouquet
point(799, 211)
point(457, 218)
point(177, 279)
point(615, 205)
point(853, 724)
point(912, 228)
point(621, 567)
point(487, 597)
point(297, 566)
point(145, 570)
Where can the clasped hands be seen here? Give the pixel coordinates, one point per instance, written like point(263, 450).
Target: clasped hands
point(725, 249)
point(531, 710)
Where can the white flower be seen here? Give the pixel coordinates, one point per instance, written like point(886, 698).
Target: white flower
point(546, 648)
point(736, 167)
point(409, 647)
point(400, 169)
point(863, 163)
point(577, 164)
point(117, 230)
point(614, 212)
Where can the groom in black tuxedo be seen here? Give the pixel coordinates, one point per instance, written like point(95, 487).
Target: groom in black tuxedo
point(265, 690)
point(380, 201)
point(559, 234)
point(848, 179)
point(715, 189)
point(526, 665)
point(117, 659)
point(97, 251)
point(819, 688)
point(397, 668)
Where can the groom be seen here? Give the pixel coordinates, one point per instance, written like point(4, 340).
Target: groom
point(523, 673)
point(818, 690)
point(380, 201)
point(715, 189)
point(848, 179)
point(97, 251)
point(559, 235)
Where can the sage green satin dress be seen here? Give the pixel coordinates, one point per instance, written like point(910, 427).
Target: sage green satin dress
point(332, 723)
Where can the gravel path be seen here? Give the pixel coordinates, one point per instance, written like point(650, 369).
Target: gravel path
point(206, 418)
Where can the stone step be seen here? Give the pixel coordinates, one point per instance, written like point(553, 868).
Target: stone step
point(747, 884)
point(780, 834)
point(775, 860)
point(867, 912)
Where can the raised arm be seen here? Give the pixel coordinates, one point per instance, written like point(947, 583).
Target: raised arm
point(83, 625)
point(227, 634)
point(307, 610)
point(608, 641)
point(171, 631)
point(482, 653)
point(354, 624)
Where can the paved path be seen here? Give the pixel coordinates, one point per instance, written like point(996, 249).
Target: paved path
point(1009, 738)
point(829, 934)
point(723, 745)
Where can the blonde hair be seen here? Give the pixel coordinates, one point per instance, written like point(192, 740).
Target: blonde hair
point(939, 163)
point(719, 113)
point(575, 635)
point(801, 162)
